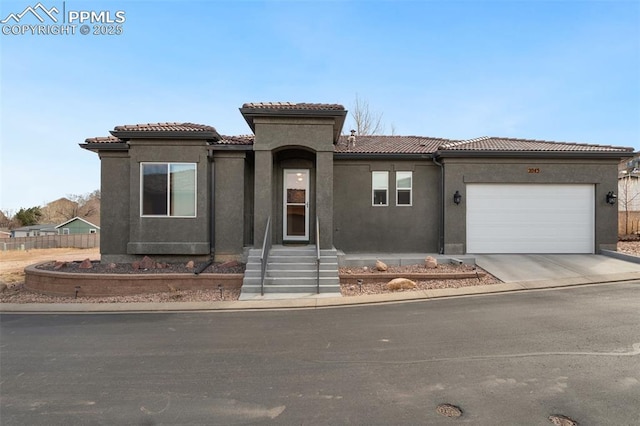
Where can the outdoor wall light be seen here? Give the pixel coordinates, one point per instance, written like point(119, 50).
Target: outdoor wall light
point(457, 197)
point(611, 197)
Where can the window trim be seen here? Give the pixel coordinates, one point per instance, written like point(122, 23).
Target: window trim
point(374, 188)
point(410, 189)
point(168, 214)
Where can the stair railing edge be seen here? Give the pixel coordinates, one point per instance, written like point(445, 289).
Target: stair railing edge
point(264, 255)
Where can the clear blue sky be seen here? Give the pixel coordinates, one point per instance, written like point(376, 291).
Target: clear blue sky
point(555, 70)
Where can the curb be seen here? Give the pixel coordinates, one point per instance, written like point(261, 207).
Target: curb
point(312, 302)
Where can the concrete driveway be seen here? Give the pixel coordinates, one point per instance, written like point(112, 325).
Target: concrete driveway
point(537, 267)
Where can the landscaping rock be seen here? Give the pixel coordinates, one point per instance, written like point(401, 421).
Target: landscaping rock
point(135, 266)
point(190, 264)
point(112, 266)
point(86, 264)
point(59, 265)
point(147, 263)
point(230, 264)
point(400, 284)
point(381, 266)
point(431, 262)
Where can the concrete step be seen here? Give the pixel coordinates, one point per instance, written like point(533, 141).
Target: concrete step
point(324, 266)
point(292, 273)
point(291, 288)
point(292, 270)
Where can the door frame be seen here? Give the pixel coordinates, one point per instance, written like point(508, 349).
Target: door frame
point(305, 237)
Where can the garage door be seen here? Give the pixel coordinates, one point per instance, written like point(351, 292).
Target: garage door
point(526, 218)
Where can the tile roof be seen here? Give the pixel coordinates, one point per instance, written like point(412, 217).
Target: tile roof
point(390, 145)
point(104, 139)
point(236, 140)
point(165, 127)
point(293, 106)
point(488, 143)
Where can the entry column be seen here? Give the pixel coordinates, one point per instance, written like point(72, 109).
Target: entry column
point(324, 197)
point(263, 195)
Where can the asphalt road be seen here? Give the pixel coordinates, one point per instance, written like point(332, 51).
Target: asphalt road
point(512, 359)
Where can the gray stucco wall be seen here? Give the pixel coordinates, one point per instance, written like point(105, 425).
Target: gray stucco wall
point(114, 207)
point(229, 204)
point(274, 136)
point(459, 172)
point(361, 227)
point(167, 235)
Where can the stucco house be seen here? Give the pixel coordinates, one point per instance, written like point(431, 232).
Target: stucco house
point(77, 225)
point(181, 190)
point(34, 230)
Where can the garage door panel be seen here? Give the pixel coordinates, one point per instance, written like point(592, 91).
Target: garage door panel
point(504, 218)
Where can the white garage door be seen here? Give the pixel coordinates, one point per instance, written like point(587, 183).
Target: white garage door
point(530, 218)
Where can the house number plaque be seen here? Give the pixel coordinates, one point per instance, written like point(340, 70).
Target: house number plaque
point(535, 170)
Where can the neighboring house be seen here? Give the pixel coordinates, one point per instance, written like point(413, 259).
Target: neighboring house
point(34, 231)
point(77, 225)
point(629, 196)
point(5, 233)
point(628, 185)
point(179, 190)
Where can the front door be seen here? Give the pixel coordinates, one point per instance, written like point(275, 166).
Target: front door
point(296, 205)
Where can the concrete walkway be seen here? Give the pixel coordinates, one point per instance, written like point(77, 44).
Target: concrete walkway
point(535, 267)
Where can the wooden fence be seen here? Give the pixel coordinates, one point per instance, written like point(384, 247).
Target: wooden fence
point(50, 241)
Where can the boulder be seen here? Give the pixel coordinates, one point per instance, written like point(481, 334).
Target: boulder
point(400, 284)
point(86, 264)
point(147, 263)
point(112, 266)
point(135, 266)
point(59, 265)
point(430, 262)
point(190, 264)
point(381, 266)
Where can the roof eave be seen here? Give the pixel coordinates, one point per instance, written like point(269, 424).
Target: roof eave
point(105, 146)
point(530, 154)
point(382, 156)
point(222, 147)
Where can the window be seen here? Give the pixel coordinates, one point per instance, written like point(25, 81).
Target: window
point(66, 231)
point(380, 185)
point(168, 189)
point(404, 182)
point(93, 231)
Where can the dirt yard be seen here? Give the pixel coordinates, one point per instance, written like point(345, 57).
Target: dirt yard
point(13, 262)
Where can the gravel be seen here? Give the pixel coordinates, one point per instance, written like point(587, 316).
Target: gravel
point(16, 293)
point(629, 247)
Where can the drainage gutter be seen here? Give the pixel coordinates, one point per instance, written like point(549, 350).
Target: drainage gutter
point(441, 221)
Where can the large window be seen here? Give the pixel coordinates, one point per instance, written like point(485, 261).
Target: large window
point(404, 182)
point(168, 189)
point(380, 185)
